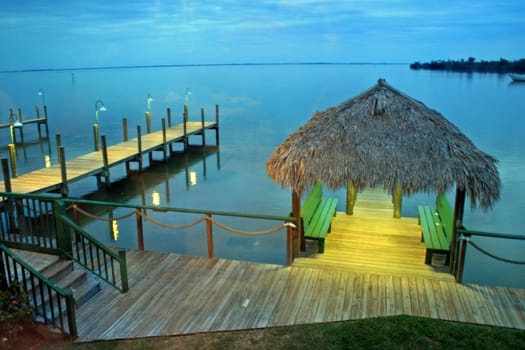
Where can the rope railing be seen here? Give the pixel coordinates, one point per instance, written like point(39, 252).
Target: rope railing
point(493, 256)
point(178, 227)
point(141, 214)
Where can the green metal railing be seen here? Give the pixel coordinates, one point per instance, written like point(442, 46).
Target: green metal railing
point(48, 301)
point(40, 223)
point(464, 240)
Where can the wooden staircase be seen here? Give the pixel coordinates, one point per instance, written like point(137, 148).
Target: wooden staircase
point(66, 274)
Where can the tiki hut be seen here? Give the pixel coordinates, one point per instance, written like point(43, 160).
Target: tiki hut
point(384, 138)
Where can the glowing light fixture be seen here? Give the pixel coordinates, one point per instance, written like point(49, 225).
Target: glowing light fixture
point(99, 106)
point(114, 230)
point(150, 99)
point(41, 93)
point(193, 178)
point(155, 198)
point(47, 160)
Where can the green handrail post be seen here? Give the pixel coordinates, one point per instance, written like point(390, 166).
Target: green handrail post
point(71, 317)
point(123, 270)
point(64, 238)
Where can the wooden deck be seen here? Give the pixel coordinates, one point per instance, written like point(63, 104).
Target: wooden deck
point(49, 179)
point(372, 240)
point(172, 294)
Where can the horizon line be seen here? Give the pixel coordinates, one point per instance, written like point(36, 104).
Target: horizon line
point(180, 65)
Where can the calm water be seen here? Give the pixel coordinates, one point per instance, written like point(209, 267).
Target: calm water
point(260, 106)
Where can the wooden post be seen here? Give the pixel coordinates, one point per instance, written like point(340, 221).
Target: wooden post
point(217, 125)
point(164, 140)
point(11, 116)
point(459, 209)
point(461, 259)
point(106, 162)
point(351, 195)
point(298, 234)
point(7, 178)
point(62, 156)
point(209, 234)
point(45, 116)
point(184, 121)
point(168, 112)
point(139, 141)
point(12, 157)
point(289, 241)
point(203, 129)
point(95, 136)
point(59, 144)
point(140, 232)
point(148, 122)
point(397, 199)
point(123, 270)
point(38, 124)
point(125, 128)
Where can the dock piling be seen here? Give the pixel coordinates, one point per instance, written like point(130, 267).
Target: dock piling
point(203, 128)
point(95, 136)
point(125, 128)
point(7, 178)
point(148, 122)
point(12, 157)
point(64, 188)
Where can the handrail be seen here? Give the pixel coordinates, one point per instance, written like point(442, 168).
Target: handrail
point(26, 276)
point(180, 210)
point(489, 234)
point(83, 254)
point(464, 239)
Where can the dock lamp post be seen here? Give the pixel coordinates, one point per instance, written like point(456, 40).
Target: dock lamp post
point(41, 93)
point(99, 106)
point(148, 114)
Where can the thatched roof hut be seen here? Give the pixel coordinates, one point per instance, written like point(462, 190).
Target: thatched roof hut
point(384, 138)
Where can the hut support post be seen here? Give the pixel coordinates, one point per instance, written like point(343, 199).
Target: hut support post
point(351, 196)
point(397, 200)
point(459, 209)
point(298, 234)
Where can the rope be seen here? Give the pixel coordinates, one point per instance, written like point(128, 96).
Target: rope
point(254, 233)
point(83, 212)
point(494, 256)
point(147, 218)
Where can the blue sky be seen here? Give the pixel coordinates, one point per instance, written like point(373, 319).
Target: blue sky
point(75, 33)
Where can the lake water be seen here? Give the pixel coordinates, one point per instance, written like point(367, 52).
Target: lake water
point(259, 107)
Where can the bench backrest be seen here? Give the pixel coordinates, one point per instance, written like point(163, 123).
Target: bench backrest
point(311, 202)
point(446, 215)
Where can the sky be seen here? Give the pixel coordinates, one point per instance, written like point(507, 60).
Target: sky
point(37, 34)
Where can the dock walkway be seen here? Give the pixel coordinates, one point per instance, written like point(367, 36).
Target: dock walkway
point(50, 179)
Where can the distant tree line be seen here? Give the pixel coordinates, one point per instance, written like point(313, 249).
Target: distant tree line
point(471, 65)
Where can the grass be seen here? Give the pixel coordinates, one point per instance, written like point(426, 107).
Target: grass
point(399, 332)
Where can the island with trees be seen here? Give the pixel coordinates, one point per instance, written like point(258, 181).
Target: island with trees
point(470, 65)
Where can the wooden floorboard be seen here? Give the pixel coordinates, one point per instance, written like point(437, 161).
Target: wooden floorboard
point(174, 294)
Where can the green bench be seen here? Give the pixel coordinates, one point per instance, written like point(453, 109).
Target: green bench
point(316, 215)
point(436, 227)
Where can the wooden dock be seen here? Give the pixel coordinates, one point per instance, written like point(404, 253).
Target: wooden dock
point(372, 240)
point(171, 294)
point(94, 163)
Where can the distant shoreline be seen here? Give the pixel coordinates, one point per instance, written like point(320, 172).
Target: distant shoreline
point(470, 65)
point(29, 70)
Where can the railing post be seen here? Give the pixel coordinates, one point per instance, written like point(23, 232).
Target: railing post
point(12, 156)
point(125, 128)
point(3, 275)
point(203, 129)
point(148, 122)
point(461, 259)
point(140, 232)
point(63, 172)
point(63, 237)
point(217, 125)
point(106, 162)
point(123, 270)
point(71, 317)
point(289, 240)
point(168, 112)
point(209, 234)
point(185, 127)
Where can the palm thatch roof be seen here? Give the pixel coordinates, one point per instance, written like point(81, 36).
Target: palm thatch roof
point(383, 137)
